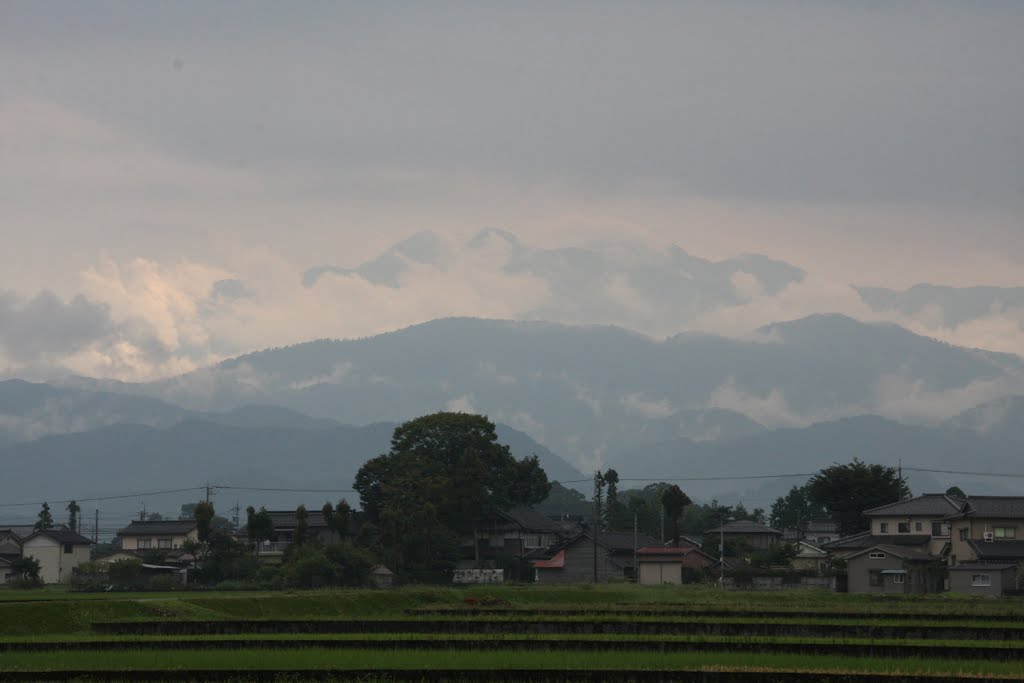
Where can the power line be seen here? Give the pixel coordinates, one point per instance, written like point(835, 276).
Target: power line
point(99, 498)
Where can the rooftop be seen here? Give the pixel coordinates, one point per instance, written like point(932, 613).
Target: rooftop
point(531, 520)
point(163, 526)
point(1006, 507)
point(981, 566)
point(998, 550)
point(903, 552)
point(866, 540)
point(743, 526)
point(63, 536)
point(927, 505)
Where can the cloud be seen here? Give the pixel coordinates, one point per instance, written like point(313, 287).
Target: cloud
point(906, 399)
point(637, 404)
point(771, 410)
point(45, 325)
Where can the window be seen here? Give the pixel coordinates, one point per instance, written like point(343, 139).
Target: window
point(981, 579)
point(875, 577)
point(918, 526)
point(164, 543)
point(899, 578)
point(903, 527)
point(940, 529)
point(1005, 531)
point(876, 555)
point(145, 543)
point(69, 548)
point(883, 528)
point(963, 534)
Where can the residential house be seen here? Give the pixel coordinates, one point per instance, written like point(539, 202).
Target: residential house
point(983, 578)
point(925, 515)
point(58, 552)
point(810, 558)
point(846, 546)
point(893, 569)
point(658, 565)
point(519, 532)
point(573, 561)
point(752, 534)
point(159, 535)
point(10, 544)
point(6, 573)
point(988, 529)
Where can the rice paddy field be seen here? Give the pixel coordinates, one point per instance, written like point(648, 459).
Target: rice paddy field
point(513, 633)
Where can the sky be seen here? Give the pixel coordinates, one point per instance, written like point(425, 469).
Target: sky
point(168, 171)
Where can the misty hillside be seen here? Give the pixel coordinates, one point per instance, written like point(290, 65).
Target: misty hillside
point(803, 451)
point(1001, 420)
point(126, 458)
point(588, 391)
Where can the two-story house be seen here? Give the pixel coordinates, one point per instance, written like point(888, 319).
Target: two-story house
point(58, 551)
point(988, 529)
point(924, 517)
point(160, 535)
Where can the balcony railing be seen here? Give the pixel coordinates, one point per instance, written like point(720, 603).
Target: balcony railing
point(270, 547)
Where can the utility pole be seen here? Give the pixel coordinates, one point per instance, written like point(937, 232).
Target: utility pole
point(96, 529)
point(636, 542)
point(236, 510)
point(721, 552)
point(207, 491)
point(597, 515)
point(142, 512)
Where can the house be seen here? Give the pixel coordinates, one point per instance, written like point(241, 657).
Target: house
point(989, 529)
point(159, 535)
point(10, 544)
point(573, 561)
point(6, 573)
point(518, 532)
point(925, 515)
point(980, 578)
point(754, 535)
point(810, 558)
point(893, 569)
point(816, 532)
point(846, 546)
point(58, 552)
point(658, 565)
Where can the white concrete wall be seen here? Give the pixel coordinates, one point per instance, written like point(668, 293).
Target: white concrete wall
point(54, 564)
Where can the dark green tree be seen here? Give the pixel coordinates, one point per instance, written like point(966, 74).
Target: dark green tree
point(27, 569)
point(204, 514)
point(337, 518)
point(259, 525)
point(301, 533)
point(674, 501)
point(616, 516)
point(845, 491)
point(956, 492)
point(795, 509)
point(73, 511)
point(444, 470)
point(45, 520)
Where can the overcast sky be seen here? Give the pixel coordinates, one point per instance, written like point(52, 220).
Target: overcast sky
point(149, 150)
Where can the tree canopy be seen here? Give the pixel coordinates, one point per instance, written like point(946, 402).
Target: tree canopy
point(796, 509)
point(847, 490)
point(443, 474)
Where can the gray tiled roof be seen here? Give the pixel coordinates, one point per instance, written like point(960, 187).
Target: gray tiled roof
point(163, 526)
point(743, 526)
point(998, 550)
point(927, 505)
point(63, 536)
point(23, 531)
point(285, 519)
point(995, 506)
point(622, 540)
point(866, 540)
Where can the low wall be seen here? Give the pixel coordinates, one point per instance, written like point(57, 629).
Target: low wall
point(778, 583)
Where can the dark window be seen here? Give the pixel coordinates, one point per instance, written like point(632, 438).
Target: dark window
point(875, 577)
point(938, 530)
point(918, 526)
point(883, 528)
point(963, 534)
point(903, 527)
point(164, 543)
point(69, 548)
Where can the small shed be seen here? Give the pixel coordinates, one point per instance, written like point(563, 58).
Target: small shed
point(382, 577)
point(981, 578)
point(658, 565)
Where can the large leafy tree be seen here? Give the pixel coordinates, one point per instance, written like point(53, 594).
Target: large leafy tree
point(845, 491)
point(443, 474)
point(796, 509)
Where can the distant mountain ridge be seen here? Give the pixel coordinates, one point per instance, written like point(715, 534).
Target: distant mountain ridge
point(588, 391)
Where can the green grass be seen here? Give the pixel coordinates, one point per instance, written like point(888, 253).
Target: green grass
point(312, 658)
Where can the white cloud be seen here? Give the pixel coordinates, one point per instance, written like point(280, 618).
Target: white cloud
point(638, 404)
